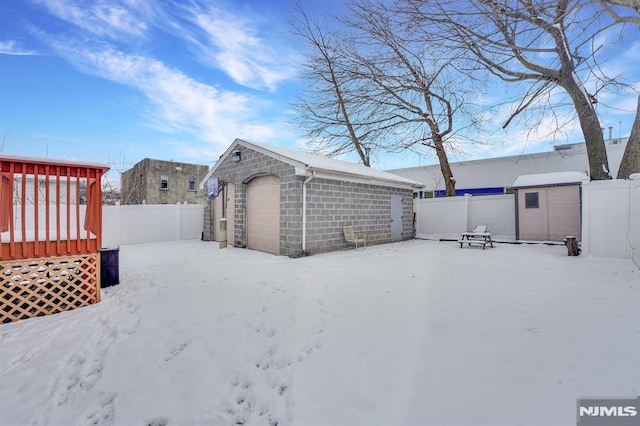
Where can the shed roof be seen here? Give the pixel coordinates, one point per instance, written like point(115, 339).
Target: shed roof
point(307, 164)
point(549, 179)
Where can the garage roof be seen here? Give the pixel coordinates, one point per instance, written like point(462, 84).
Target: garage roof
point(309, 164)
point(549, 179)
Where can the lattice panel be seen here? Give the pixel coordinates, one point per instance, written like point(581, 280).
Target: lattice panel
point(43, 286)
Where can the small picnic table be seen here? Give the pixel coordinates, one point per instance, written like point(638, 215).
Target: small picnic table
point(479, 238)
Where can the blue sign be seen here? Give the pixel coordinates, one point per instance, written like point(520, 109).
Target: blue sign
point(212, 187)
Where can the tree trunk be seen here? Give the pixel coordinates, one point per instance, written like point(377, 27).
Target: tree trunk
point(445, 168)
point(590, 124)
point(631, 159)
point(573, 247)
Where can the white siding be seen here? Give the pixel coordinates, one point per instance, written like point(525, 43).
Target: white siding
point(503, 171)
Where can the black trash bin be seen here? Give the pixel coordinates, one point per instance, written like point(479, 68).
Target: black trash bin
point(109, 267)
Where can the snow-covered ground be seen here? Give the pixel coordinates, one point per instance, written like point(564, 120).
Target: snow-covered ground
point(419, 332)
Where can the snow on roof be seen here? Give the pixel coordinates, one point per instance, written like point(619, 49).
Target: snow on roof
point(543, 179)
point(54, 162)
point(331, 164)
point(312, 162)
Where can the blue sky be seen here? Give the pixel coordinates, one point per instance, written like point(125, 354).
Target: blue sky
point(115, 81)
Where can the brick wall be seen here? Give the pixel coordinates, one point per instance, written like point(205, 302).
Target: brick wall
point(330, 206)
point(142, 183)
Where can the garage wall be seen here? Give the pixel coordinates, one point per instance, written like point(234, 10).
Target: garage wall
point(332, 205)
point(254, 164)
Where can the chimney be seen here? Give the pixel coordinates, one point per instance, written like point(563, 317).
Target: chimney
point(610, 132)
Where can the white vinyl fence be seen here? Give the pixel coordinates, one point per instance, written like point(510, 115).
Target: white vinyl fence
point(151, 223)
point(55, 215)
point(447, 217)
point(611, 219)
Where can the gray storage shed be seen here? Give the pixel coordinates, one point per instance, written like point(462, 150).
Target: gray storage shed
point(548, 206)
point(294, 203)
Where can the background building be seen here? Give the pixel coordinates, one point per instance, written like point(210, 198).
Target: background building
point(497, 175)
point(163, 182)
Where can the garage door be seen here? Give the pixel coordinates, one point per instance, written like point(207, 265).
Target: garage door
point(263, 214)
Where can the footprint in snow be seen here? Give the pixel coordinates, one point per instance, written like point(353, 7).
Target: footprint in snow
point(100, 414)
point(160, 421)
point(175, 351)
point(223, 318)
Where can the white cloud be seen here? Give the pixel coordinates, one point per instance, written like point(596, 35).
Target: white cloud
point(237, 49)
point(179, 104)
point(11, 47)
point(101, 18)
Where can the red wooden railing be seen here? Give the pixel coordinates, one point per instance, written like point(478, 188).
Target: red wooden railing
point(67, 194)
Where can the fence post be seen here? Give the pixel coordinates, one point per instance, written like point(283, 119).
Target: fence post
point(416, 215)
point(586, 215)
point(634, 209)
point(119, 223)
point(178, 221)
point(467, 213)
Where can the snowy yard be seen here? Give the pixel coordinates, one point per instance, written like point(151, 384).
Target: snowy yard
point(419, 332)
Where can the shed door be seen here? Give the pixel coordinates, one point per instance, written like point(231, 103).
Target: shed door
point(533, 219)
point(396, 218)
point(263, 214)
point(564, 212)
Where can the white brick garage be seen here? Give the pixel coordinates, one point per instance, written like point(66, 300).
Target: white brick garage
point(317, 197)
point(263, 214)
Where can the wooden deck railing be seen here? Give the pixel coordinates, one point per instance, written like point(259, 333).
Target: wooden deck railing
point(49, 208)
point(50, 236)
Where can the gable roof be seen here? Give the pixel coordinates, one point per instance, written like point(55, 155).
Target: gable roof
point(315, 165)
point(549, 179)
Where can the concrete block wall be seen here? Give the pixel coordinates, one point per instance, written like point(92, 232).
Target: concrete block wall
point(334, 204)
point(330, 206)
point(253, 164)
point(209, 223)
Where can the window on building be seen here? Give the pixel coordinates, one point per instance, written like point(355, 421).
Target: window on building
point(192, 183)
point(164, 182)
point(531, 200)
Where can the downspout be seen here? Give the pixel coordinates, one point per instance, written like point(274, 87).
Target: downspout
point(304, 212)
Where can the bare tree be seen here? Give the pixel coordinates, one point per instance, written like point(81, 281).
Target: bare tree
point(549, 44)
point(408, 81)
point(399, 92)
point(621, 12)
point(631, 158)
point(326, 109)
